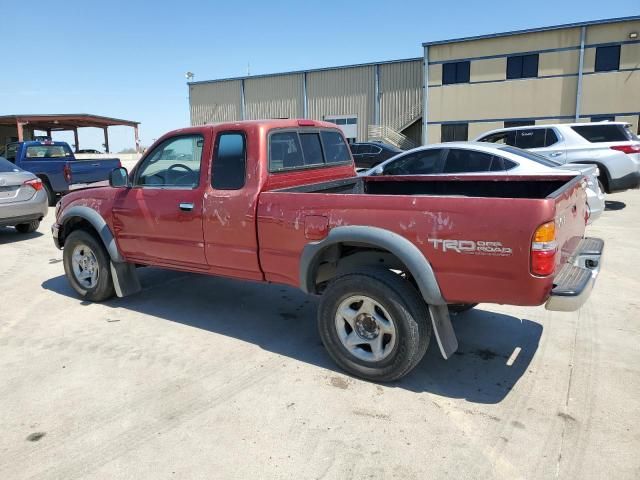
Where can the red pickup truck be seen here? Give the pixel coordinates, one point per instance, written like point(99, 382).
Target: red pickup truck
point(279, 201)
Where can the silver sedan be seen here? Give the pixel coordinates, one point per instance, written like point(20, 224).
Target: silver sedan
point(23, 200)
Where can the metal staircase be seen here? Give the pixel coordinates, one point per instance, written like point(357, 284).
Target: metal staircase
point(391, 133)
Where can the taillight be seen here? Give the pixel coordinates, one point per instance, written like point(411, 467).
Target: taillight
point(634, 148)
point(36, 184)
point(67, 173)
point(544, 249)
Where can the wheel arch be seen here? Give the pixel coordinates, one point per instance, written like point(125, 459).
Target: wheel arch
point(83, 217)
point(389, 247)
point(605, 174)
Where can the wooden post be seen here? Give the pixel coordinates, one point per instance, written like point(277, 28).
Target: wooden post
point(135, 134)
point(75, 138)
point(106, 139)
point(20, 126)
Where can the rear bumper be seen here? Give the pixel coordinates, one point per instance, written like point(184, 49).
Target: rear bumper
point(573, 284)
point(24, 212)
point(631, 180)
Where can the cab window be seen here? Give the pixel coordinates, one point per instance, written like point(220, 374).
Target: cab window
point(173, 163)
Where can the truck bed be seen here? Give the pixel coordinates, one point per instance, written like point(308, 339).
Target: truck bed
point(502, 211)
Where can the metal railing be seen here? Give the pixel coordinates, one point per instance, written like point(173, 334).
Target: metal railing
point(387, 134)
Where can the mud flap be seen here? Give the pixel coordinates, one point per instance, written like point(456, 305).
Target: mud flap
point(125, 279)
point(443, 330)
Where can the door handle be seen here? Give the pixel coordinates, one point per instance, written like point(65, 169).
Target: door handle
point(555, 154)
point(95, 164)
point(186, 206)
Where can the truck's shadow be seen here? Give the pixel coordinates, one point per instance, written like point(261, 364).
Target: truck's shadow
point(282, 320)
point(11, 235)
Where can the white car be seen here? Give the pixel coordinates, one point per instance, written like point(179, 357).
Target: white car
point(612, 146)
point(477, 158)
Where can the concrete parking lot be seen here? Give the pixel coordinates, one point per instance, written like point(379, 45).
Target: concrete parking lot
point(200, 377)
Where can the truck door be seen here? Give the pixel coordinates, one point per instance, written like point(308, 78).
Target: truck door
point(159, 219)
point(230, 207)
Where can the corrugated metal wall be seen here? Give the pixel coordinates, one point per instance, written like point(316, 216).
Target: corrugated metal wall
point(215, 102)
point(347, 91)
point(274, 97)
point(400, 93)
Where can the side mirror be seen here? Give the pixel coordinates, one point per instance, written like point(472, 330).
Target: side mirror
point(119, 178)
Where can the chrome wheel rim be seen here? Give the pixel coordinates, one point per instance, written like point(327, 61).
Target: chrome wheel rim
point(365, 328)
point(85, 266)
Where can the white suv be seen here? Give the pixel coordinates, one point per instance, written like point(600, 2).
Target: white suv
point(612, 146)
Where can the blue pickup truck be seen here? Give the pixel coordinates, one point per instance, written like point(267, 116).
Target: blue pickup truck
point(56, 165)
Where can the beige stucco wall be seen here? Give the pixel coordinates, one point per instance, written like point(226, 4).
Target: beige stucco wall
point(544, 97)
point(478, 128)
point(632, 119)
point(611, 32)
point(433, 134)
point(215, 102)
point(611, 92)
point(435, 74)
point(506, 45)
point(630, 56)
point(558, 63)
point(490, 69)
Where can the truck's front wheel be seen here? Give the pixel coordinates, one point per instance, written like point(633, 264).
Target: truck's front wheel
point(374, 324)
point(86, 264)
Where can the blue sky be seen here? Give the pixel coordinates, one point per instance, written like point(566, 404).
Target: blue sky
point(127, 59)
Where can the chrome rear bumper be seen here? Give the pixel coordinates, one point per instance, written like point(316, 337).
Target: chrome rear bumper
point(573, 284)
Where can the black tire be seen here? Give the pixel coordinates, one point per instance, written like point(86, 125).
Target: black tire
point(30, 227)
point(52, 198)
point(461, 307)
point(103, 289)
point(408, 311)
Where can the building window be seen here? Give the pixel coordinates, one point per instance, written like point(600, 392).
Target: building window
point(454, 132)
point(607, 58)
point(456, 72)
point(518, 123)
point(522, 66)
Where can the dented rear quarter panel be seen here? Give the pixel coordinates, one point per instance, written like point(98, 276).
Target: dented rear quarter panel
point(426, 221)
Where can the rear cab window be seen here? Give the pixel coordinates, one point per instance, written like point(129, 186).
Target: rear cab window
point(605, 133)
point(48, 151)
point(306, 148)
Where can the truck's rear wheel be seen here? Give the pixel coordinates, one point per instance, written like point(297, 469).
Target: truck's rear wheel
point(374, 324)
point(29, 227)
point(86, 264)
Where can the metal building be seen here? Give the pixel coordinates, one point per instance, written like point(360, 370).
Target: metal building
point(584, 71)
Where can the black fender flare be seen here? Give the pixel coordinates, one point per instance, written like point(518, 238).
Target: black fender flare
point(100, 226)
point(403, 249)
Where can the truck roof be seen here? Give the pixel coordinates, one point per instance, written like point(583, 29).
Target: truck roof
point(265, 123)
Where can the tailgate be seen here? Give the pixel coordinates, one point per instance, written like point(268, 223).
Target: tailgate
point(570, 219)
point(93, 170)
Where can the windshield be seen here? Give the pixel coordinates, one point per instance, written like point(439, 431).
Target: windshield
point(547, 162)
point(48, 151)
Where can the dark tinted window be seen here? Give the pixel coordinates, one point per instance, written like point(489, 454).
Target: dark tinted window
point(519, 123)
point(390, 148)
point(311, 148)
point(10, 152)
point(455, 72)
point(508, 164)
point(335, 150)
point(285, 151)
point(603, 133)
point(355, 148)
point(507, 138)
point(522, 66)
point(352, 121)
point(603, 118)
point(607, 58)
point(461, 161)
point(535, 138)
point(229, 162)
point(454, 132)
point(7, 166)
point(547, 162)
point(416, 163)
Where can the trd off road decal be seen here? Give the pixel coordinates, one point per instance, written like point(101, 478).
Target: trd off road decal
point(471, 247)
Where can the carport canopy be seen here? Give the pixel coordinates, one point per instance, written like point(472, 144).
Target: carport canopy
point(68, 121)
